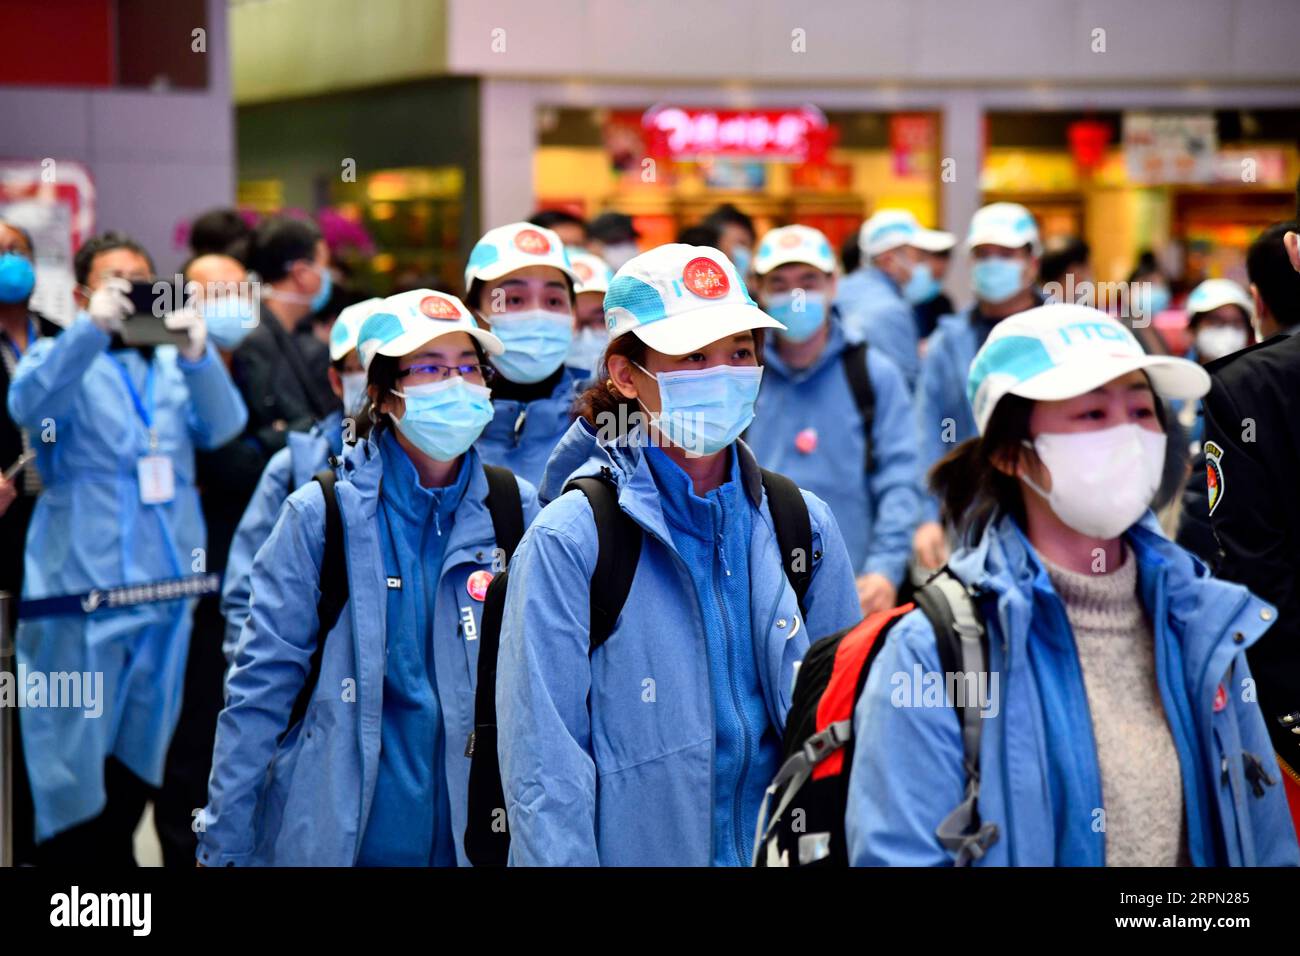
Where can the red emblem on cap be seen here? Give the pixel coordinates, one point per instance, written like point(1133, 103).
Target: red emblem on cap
point(532, 242)
point(791, 239)
point(1220, 699)
point(706, 278)
point(439, 307)
point(806, 441)
point(583, 270)
point(477, 584)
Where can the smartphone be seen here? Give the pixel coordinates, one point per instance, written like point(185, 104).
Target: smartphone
point(19, 465)
point(145, 328)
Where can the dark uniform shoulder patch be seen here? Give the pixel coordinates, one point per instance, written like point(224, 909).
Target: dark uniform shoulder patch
point(1214, 473)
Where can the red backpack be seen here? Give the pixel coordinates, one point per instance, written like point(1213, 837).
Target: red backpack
point(810, 791)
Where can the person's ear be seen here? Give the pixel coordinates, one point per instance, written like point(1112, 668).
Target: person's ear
point(1292, 242)
point(621, 374)
point(1006, 462)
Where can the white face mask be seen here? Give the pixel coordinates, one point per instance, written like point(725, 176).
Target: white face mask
point(1214, 342)
point(618, 253)
point(1102, 481)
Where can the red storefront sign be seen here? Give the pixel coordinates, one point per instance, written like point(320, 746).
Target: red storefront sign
point(681, 133)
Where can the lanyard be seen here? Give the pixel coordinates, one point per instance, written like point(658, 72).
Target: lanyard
point(145, 413)
point(31, 337)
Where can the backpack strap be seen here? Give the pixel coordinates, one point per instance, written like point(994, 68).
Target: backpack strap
point(962, 642)
point(333, 590)
point(619, 552)
point(506, 508)
point(793, 532)
point(864, 394)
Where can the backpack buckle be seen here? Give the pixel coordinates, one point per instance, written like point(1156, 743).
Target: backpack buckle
point(821, 745)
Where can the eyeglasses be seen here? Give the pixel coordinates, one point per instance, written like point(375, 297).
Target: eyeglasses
point(440, 373)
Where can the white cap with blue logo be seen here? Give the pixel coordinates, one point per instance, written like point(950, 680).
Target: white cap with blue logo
point(402, 323)
point(519, 245)
point(1213, 293)
point(1006, 224)
point(343, 333)
point(1061, 350)
point(789, 244)
point(678, 298)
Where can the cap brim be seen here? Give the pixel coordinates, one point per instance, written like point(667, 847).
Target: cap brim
point(779, 260)
point(1170, 378)
point(690, 331)
point(408, 342)
point(504, 267)
point(994, 237)
point(934, 240)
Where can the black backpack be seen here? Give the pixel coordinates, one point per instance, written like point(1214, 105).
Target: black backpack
point(810, 791)
point(503, 503)
point(487, 835)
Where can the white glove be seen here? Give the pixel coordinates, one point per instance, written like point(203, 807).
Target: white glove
point(109, 305)
point(191, 323)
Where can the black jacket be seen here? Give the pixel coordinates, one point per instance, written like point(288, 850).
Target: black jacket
point(1252, 445)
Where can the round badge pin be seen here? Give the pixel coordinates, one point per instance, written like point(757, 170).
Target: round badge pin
point(477, 585)
point(583, 270)
point(532, 242)
point(438, 307)
point(806, 441)
point(706, 278)
point(1220, 699)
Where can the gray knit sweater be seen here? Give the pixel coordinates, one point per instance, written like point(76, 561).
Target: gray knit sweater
point(1141, 780)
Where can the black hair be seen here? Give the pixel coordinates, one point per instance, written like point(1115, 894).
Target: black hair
point(104, 242)
point(1269, 268)
point(850, 253)
point(27, 236)
point(220, 230)
point(700, 234)
point(1057, 262)
point(1146, 266)
point(279, 242)
point(728, 215)
point(550, 218)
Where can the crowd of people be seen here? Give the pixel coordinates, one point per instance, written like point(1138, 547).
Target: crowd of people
point(525, 571)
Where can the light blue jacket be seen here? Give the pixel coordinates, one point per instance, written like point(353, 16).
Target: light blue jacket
point(522, 435)
point(875, 311)
point(90, 530)
point(304, 801)
point(876, 511)
point(608, 758)
point(304, 454)
point(907, 772)
point(943, 414)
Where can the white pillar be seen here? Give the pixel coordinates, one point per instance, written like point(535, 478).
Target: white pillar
point(507, 141)
point(961, 148)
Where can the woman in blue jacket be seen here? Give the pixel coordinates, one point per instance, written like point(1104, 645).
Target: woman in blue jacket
point(655, 749)
point(375, 772)
point(520, 284)
point(1119, 726)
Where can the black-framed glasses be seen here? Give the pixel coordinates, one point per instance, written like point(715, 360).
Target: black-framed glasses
point(440, 373)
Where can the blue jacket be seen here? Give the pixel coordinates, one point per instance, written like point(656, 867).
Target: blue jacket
point(943, 413)
point(90, 530)
point(907, 772)
point(876, 511)
point(608, 758)
point(875, 311)
point(305, 800)
point(304, 454)
point(522, 435)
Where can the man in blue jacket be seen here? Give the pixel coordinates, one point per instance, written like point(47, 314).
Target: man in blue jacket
point(877, 300)
point(1004, 244)
point(812, 428)
point(118, 427)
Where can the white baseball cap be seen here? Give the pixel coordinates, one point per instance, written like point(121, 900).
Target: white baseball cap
point(888, 229)
point(343, 334)
point(593, 273)
point(794, 244)
point(679, 298)
point(402, 323)
point(934, 240)
point(519, 245)
point(1061, 350)
point(1212, 293)
point(1005, 224)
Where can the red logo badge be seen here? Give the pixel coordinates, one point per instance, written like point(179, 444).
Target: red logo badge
point(532, 242)
point(1220, 699)
point(438, 307)
point(791, 239)
point(706, 278)
point(583, 270)
point(806, 441)
point(477, 584)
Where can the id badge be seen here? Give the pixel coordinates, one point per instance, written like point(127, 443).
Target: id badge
point(157, 482)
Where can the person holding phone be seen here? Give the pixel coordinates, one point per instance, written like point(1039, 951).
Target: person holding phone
point(115, 431)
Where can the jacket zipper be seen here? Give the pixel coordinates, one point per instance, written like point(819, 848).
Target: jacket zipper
point(1286, 769)
point(737, 836)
